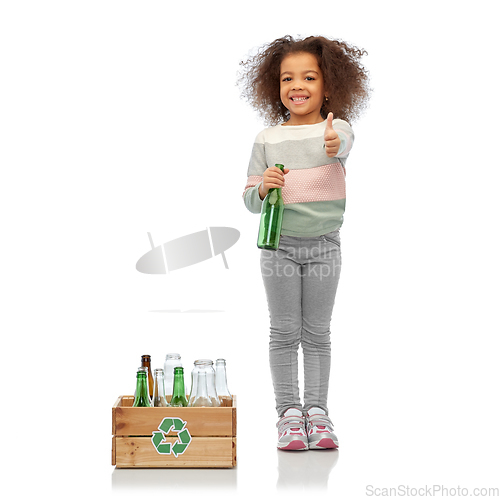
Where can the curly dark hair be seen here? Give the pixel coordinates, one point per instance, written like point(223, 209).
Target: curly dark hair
point(346, 80)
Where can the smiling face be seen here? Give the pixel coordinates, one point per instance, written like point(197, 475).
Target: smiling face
point(302, 88)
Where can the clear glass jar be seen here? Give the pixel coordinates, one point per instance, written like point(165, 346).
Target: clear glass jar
point(203, 392)
point(172, 360)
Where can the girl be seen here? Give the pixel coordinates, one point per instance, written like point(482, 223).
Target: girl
point(308, 90)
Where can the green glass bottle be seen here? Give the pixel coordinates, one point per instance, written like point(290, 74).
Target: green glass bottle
point(141, 389)
point(179, 395)
point(271, 218)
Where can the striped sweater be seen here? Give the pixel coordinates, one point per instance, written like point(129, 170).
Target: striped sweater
point(314, 191)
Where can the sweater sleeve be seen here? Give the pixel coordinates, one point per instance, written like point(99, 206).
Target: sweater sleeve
point(256, 169)
point(346, 136)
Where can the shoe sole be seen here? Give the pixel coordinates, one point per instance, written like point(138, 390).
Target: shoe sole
point(324, 444)
point(294, 445)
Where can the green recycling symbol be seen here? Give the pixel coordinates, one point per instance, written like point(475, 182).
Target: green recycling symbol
point(184, 438)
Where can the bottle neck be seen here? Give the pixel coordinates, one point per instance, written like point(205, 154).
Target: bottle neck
point(141, 383)
point(159, 386)
point(141, 390)
point(159, 389)
point(146, 361)
point(178, 383)
point(221, 380)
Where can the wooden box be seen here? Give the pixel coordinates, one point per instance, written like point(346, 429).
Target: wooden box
point(172, 436)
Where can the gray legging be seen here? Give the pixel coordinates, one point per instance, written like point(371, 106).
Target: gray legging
point(301, 280)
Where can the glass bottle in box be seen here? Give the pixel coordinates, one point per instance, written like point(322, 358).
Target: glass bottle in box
point(141, 390)
point(179, 394)
point(146, 362)
point(221, 387)
point(159, 389)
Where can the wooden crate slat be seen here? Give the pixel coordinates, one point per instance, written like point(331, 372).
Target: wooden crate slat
point(201, 452)
point(129, 421)
point(200, 421)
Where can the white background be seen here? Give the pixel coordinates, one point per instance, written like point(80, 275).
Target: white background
point(121, 118)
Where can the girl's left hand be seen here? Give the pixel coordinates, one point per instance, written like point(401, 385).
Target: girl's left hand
point(332, 140)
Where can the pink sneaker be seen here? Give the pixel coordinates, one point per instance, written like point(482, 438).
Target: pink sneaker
point(291, 431)
point(320, 430)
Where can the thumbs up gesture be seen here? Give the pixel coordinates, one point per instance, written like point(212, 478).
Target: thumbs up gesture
point(332, 140)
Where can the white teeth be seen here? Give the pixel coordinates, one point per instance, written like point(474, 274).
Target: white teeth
point(299, 98)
